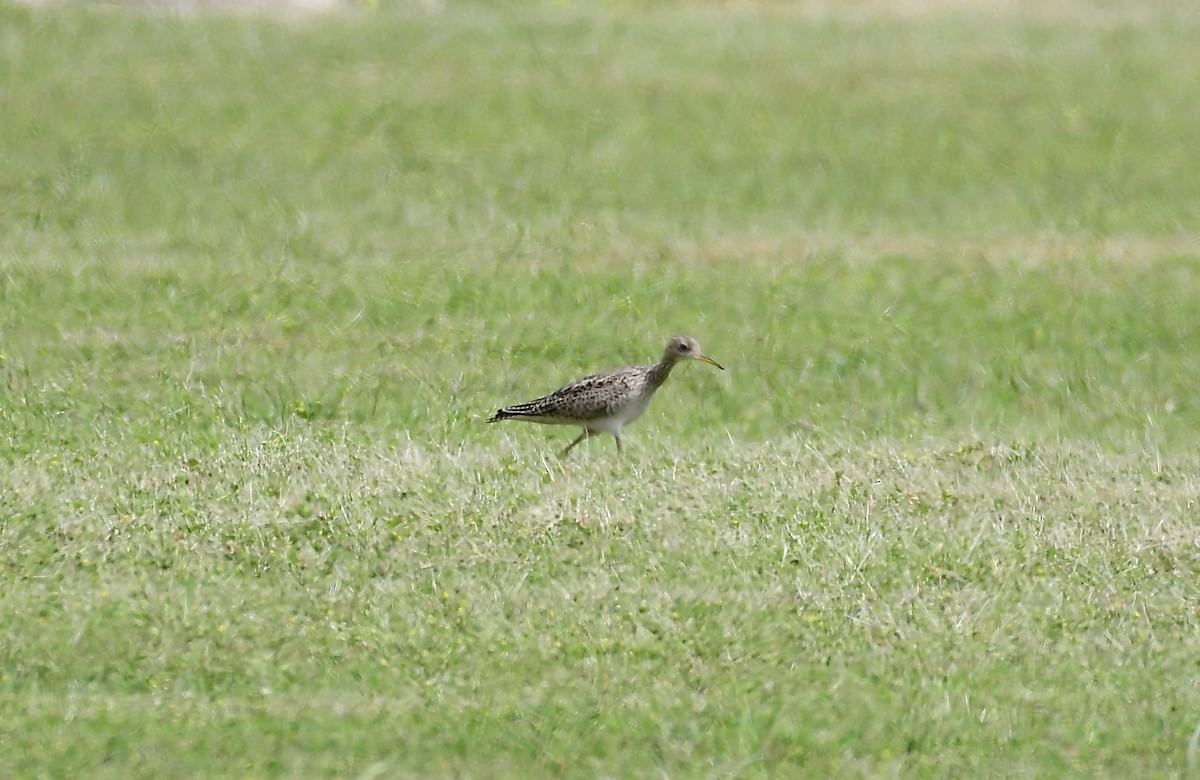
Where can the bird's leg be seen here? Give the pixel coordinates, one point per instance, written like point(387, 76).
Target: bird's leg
point(585, 435)
point(620, 450)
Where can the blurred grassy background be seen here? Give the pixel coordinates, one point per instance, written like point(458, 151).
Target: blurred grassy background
point(929, 218)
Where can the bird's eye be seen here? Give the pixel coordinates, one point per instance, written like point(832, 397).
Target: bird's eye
point(685, 347)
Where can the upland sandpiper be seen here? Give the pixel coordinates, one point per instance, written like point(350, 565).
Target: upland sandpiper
point(604, 403)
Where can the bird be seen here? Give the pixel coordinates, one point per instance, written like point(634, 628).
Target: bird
point(606, 402)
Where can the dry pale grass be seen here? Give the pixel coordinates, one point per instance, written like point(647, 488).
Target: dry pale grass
point(286, 7)
point(1016, 251)
point(1052, 11)
point(1034, 250)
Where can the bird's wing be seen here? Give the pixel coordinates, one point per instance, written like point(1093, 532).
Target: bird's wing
point(594, 396)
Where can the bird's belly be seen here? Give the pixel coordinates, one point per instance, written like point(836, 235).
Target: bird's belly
point(623, 416)
point(635, 410)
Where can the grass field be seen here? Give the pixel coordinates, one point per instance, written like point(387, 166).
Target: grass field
point(262, 279)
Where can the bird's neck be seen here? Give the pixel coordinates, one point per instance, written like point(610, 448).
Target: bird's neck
point(660, 371)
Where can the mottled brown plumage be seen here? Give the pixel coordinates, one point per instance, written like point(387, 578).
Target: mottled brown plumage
point(604, 403)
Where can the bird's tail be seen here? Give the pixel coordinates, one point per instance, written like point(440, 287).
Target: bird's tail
point(519, 411)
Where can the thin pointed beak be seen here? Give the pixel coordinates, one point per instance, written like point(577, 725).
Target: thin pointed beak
point(710, 361)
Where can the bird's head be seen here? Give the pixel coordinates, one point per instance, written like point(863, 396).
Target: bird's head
point(681, 348)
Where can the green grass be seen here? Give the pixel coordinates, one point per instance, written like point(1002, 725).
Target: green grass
point(261, 281)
